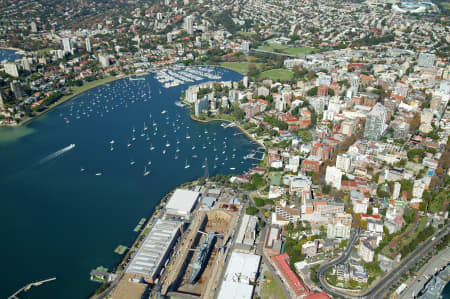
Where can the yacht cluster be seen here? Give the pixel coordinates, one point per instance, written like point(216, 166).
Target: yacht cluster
point(174, 77)
point(167, 135)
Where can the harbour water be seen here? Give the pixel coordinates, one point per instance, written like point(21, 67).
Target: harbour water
point(446, 292)
point(9, 55)
point(65, 208)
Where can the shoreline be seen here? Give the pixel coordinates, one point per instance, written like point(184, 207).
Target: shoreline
point(67, 98)
point(229, 121)
point(12, 49)
point(143, 232)
point(221, 119)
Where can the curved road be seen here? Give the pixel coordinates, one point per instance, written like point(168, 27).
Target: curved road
point(383, 285)
point(323, 269)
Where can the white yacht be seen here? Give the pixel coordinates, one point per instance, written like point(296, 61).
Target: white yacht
point(146, 172)
point(187, 165)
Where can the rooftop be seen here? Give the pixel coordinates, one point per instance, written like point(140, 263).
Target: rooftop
point(182, 201)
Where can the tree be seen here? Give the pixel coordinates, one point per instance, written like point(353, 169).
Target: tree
point(258, 180)
point(312, 92)
point(326, 189)
point(250, 210)
point(253, 71)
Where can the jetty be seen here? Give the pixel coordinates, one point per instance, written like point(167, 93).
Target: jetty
point(28, 286)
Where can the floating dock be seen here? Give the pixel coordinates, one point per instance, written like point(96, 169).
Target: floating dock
point(120, 249)
point(139, 226)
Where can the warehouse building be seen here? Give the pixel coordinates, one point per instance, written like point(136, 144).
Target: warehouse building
point(182, 202)
point(247, 231)
point(241, 271)
point(153, 252)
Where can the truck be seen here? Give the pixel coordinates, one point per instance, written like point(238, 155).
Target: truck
point(401, 288)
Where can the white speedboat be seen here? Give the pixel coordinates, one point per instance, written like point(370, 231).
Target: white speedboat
point(146, 172)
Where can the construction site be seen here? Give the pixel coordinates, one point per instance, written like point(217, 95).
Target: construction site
point(180, 283)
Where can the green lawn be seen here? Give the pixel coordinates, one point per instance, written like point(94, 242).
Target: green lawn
point(240, 67)
point(302, 50)
point(419, 228)
point(44, 51)
point(88, 85)
point(277, 74)
point(271, 289)
point(272, 47)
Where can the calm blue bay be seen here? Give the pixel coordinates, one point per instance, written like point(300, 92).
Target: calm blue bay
point(58, 218)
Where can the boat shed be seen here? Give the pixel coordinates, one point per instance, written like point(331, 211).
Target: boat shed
point(153, 252)
point(182, 202)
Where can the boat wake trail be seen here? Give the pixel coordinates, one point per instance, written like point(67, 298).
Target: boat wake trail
point(56, 154)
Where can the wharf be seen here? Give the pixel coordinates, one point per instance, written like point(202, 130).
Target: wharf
point(28, 286)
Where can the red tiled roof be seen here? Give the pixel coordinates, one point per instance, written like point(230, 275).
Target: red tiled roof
point(282, 263)
point(321, 295)
point(370, 216)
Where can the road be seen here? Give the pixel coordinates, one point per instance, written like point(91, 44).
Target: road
point(278, 53)
point(379, 289)
point(323, 269)
point(383, 285)
point(416, 284)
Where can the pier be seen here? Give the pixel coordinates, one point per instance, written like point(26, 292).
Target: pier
point(28, 286)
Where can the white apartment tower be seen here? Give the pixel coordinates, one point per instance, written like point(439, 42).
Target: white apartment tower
point(88, 45)
point(33, 27)
point(67, 44)
point(344, 162)
point(375, 122)
point(355, 84)
point(189, 24)
point(2, 105)
point(245, 46)
point(11, 69)
point(104, 60)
